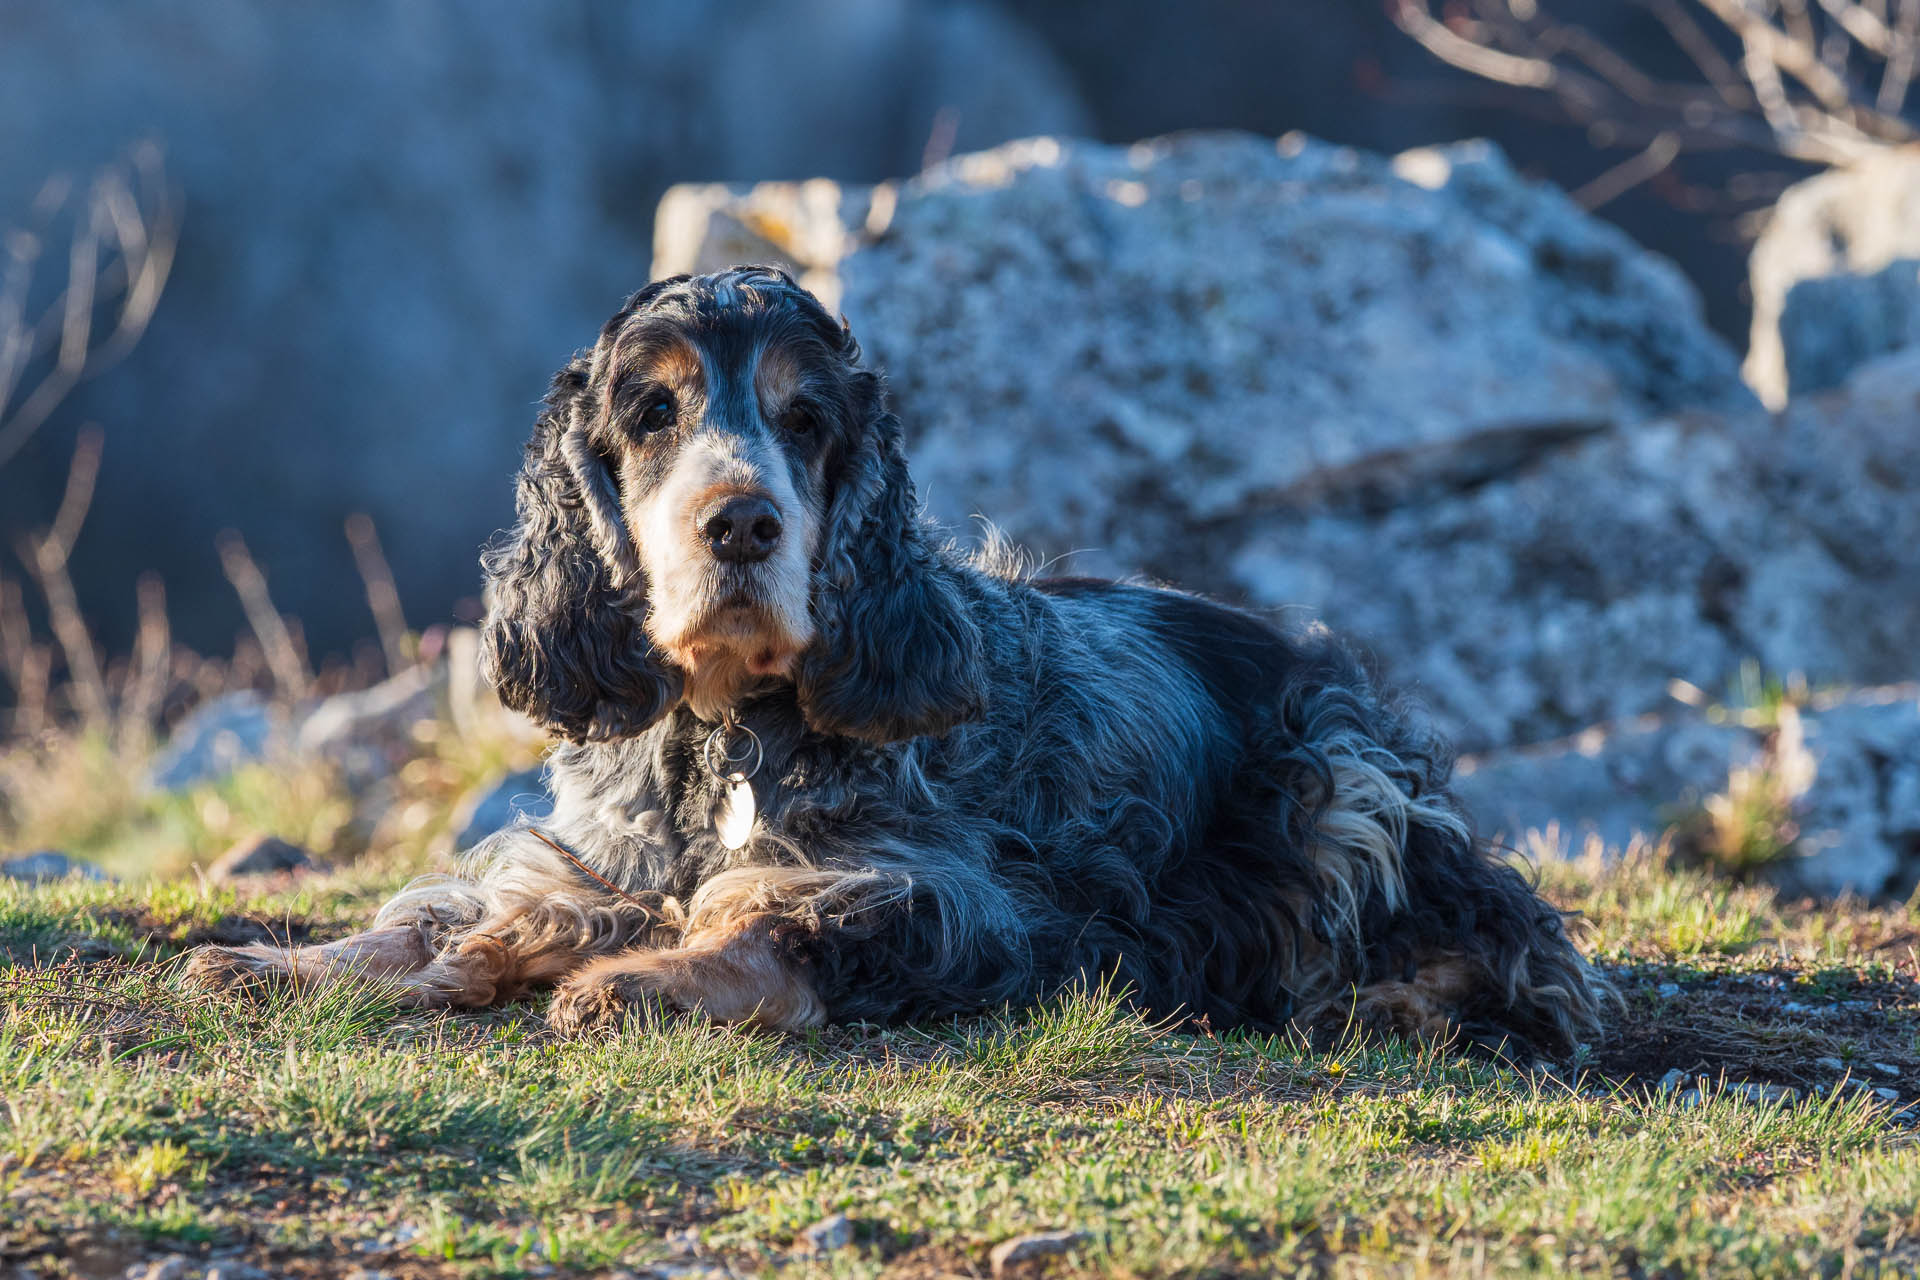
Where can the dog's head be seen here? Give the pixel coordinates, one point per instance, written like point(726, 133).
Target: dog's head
point(716, 498)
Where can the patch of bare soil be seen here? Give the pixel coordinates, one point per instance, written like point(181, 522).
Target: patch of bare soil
point(1810, 1031)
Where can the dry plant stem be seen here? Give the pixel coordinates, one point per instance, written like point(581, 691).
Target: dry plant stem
point(118, 258)
point(15, 639)
point(152, 658)
point(383, 597)
point(30, 717)
point(47, 557)
point(276, 641)
point(1624, 177)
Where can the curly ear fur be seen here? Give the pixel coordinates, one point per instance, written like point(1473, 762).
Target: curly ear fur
point(898, 653)
point(564, 640)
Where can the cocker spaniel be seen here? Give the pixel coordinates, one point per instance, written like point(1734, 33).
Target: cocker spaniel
point(820, 765)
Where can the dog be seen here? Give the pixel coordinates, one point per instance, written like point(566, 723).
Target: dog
point(819, 765)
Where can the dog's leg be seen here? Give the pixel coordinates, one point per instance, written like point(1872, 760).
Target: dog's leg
point(736, 972)
point(406, 936)
point(531, 943)
point(442, 943)
point(739, 959)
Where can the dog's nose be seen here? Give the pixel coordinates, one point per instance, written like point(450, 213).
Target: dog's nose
point(742, 529)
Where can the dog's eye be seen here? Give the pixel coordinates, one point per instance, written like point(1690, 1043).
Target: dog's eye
point(658, 415)
point(800, 420)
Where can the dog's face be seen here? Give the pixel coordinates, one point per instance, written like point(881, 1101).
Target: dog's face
point(718, 412)
point(716, 498)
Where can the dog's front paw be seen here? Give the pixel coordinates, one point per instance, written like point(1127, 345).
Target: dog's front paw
point(593, 1000)
point(231, 968)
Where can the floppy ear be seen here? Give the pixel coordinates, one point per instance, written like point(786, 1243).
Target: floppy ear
point(897, 652)
point(564, 640)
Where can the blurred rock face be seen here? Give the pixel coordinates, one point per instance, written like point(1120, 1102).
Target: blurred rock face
point(1836, 277)
point(400, 217)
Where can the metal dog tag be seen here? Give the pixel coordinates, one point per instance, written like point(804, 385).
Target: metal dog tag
point(734, 822)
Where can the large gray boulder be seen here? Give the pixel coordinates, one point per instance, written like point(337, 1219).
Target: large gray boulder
point(1836, 277)
point(1574, 590)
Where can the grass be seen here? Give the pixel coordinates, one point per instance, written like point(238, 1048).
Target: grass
point(306, 1137)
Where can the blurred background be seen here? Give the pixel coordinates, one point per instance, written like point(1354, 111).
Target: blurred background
point(1606, 420)
point(395, 220)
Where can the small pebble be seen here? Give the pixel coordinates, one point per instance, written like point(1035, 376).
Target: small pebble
point(1885, 1068)
point(829, 1235)
point(1029, 1248)
point(1830, 1064)
point(1766, 1092)
point(261, 856)
point(1672, 1080)
point(1667, 990)
point(235, 1271)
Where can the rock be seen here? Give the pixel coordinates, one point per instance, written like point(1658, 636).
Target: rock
point(499, 804)
point(1765, 1093)
point(171, 1267)
point(1848, 763)
point(1859, 816)
point(1615, 782)
point(1009, 1254)
point(368, 731)
point(235, 1271)
point(1829, 1064)
point(219, 737)
point(48, 865)
point(1672, 1080)
point(1836, 276)
point(261, 856)
point(1845, 466)
point(525, 140)
point(1667, 990)
point(829, 1235)
point(1573, 591)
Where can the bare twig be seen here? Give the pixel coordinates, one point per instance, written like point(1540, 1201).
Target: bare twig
point(1628, 174)
point(15, 638)
point(32, 687)
point(46, 556)
point(276, 641)
point(119, 254)
point(1900, 57)
point(383, 597)
point(152, 660)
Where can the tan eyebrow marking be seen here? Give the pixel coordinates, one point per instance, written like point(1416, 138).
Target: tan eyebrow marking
point(673, 365)
point(777, 377)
